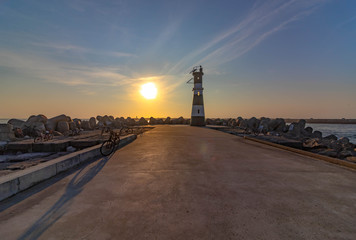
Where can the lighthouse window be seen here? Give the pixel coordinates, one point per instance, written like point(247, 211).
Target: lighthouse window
point(198, 110)
point(198, 93)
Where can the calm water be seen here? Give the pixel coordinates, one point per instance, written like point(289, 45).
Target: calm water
point(340, 130)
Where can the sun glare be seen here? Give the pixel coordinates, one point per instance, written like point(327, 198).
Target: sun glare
point(149, 91)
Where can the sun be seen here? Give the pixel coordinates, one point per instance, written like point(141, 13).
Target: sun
point(149, 90)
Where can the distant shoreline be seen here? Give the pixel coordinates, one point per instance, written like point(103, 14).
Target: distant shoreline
point(323, 121)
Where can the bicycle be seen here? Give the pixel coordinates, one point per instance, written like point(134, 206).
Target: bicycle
point(108, 146)
point(46, 136)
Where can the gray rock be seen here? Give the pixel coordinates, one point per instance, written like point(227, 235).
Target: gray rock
point(16, 123)
point(78, 122)
point(86, 125)
point(167, 120)
point(238, 121)
point(72, 126)
point(56, 133)
point(181, 120)
point(330, 137)
point(52, 122)
point(344, 141)
point(39, 118)
point(209, 121)
point(142, 121)
point(152, 121)
point(92, 122)
point(317, 134)
point(308, 131)
point(253, 123)
point(63, 127)
point(71, 149)
point(276, 125)
point(311, 143)
point(344, 154)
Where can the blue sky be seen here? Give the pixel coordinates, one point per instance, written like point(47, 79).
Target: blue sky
point(291, 58)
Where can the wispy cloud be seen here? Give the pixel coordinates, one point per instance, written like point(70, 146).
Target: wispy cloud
point(263, 20)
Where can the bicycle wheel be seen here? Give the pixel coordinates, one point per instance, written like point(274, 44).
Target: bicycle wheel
point(107, 147)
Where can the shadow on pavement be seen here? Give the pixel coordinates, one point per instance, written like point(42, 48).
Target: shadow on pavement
point(74, 187)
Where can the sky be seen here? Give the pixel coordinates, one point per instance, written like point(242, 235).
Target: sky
point(83, 58)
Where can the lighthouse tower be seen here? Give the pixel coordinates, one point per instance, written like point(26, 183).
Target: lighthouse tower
point(198, 115)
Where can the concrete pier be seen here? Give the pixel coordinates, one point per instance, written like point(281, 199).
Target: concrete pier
point(182, 182)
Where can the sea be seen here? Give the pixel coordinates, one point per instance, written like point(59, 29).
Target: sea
point(339, 130)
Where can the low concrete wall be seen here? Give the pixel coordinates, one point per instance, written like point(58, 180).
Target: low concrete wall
point(19, 181)
point(340, 162)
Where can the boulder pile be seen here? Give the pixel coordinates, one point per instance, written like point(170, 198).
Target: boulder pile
point(63, 125)
point(312, 140)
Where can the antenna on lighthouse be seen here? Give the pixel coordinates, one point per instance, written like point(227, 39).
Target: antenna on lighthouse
point(198, 115)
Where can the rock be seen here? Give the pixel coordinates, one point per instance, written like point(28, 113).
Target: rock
point(152, 121)
point(276, 125)
point(265, 123)
point(336, 146)
point(63, 127)
point(78, 122)
point(232, 123)
point(52, 122)
point(239, 121)
point(253, 123)
point(38, 126)
point(167, 120)
point(39, 118)
point(344, 154)
point(243, 124)
point(18, 133)
point(56, 133)
point(209, 121)
point(344, 141)
point(86, 125)
point(308, 131)
point(72, 126)
point(111, 118)
point(181, 120)
point(317, 134)
point(16, 123)
point(92, 122)
point(70, 149)
point(142, 121)
point(6, 132)
point(296, 129)
point(330, 137)
point(311, 143)
point(130, 121)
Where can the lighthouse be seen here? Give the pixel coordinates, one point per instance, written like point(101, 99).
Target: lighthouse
point(198, 115)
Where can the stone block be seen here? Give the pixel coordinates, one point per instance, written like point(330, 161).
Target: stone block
point(36, 175)
point(8, 188)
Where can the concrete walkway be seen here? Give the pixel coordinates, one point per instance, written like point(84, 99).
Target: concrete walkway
point(181, 182)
